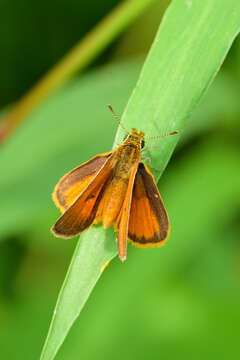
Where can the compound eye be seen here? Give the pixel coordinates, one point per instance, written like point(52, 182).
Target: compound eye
point(142, 144)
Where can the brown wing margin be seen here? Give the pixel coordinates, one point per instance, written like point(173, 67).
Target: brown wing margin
point(148, 222)
point(81, 214)
point(75, 181)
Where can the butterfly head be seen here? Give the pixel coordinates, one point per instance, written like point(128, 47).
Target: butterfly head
point(135, 137)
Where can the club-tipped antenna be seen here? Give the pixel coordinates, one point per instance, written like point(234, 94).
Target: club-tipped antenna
point(116, 117)
point(161, 136)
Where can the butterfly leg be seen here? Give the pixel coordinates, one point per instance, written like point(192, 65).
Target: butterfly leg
point(147, 159)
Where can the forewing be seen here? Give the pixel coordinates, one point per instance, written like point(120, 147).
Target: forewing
point(81, 214)
point(148, 222)
point(75, 181)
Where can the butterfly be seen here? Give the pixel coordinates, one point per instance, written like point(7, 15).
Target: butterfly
point(118, 189)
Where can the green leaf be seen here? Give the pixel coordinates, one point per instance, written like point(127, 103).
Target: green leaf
point(188, 50)
point(90, 258)
point(187, 53)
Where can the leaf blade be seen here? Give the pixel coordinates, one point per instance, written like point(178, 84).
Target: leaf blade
point(168, 102)
point(83, 273)
point(180, 68)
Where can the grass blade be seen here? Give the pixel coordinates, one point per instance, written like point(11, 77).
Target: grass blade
point(188, 51)
point(91, 254)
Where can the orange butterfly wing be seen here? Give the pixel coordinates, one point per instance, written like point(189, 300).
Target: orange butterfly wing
point(148, 222)
point(75, 181)
point(81, 213)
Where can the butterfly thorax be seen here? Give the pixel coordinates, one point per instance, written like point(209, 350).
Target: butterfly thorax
point(126, 155)
point(123, 160)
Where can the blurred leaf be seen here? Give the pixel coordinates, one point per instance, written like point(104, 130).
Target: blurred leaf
point(174, 78)
point(62, 27)
point(12, 253)
point(220, 108)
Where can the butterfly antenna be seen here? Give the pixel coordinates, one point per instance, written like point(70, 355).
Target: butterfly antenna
point(116, 117)
point(160, 136)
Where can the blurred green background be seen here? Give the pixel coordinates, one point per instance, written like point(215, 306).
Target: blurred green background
point(182, 300)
